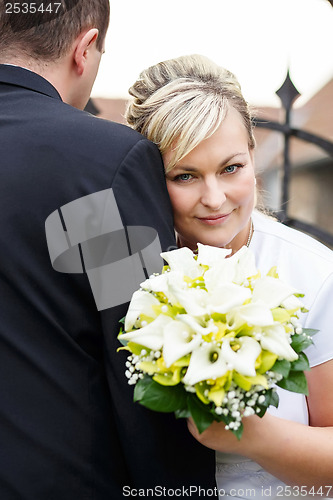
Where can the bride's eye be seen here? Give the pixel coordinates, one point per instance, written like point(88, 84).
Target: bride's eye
point(183, 177)
point(230, 169)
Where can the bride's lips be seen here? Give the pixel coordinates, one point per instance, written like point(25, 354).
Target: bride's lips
point(213, 220)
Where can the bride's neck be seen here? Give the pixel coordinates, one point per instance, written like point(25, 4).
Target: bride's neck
point(243, 238)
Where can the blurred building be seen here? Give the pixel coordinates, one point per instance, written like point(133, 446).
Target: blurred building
point(311, 186)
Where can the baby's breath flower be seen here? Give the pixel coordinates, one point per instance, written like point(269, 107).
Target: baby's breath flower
point(248, 411)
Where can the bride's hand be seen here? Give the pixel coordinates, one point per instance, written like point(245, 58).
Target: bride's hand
point(215, 437)
point(218, 438)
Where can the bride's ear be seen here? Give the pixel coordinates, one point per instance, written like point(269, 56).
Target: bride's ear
point(81, 52)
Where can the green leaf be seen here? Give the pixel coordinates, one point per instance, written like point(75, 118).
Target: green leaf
point(274, 398)
point(310, 331)
point(122, 341)
point(182, 413)
point(300, 341)
point(262, 411)
point(296, 382)
point(140, 388)
point(282, 366)
point(271, 399)
point(302, 363)
point(238, 433)
point(161, 398)
point(199, 412)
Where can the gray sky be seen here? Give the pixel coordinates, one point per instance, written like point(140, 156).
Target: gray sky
point(256, 39)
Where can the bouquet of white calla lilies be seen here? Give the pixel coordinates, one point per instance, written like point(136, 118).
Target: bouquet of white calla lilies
point(211, 338)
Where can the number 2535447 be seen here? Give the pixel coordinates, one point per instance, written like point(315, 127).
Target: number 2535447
point(32, 7)
point(303, 491)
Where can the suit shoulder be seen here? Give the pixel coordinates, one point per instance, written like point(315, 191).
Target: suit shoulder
point(88, 123)
point(93, 136)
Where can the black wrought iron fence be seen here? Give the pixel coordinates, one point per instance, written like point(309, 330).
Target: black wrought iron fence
point(288, 94)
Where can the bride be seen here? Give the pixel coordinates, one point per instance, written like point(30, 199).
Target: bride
point(195, 112)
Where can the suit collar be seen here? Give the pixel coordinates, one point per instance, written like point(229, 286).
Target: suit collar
point(21, 77)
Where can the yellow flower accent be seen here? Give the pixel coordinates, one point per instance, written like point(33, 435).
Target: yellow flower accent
point(273, 272)
point(136, 348)
point(222, 328)
point(280, 314)
point(168, 378)
point(247, 382)
point(216, 395)
point(200, 390)
point(266, 361)
point(149, 367)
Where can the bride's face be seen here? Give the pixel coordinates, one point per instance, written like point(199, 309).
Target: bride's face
point(212, 189)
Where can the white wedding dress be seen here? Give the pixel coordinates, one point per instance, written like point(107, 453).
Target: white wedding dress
point(308, 266)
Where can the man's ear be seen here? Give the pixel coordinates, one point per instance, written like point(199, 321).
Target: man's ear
point(81, 52)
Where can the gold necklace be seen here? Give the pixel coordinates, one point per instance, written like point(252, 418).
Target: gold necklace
point(250, 234)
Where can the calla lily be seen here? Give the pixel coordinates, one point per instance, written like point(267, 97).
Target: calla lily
point(210, 256)
point(199, 302)
point(243, 360)
point(231, 270)
point(141, 303)
point(222, 272)
point(165, 283)
point(195, 325)
point(271, 291)
point(178, 342)
point(275, 339)
point(156, 283)
point(193, 300)
point(227, 296)
point(203, 366)
point(292, 303)
point(244, 265)
point(251, 314)
point(182, 260)
point(150, 336)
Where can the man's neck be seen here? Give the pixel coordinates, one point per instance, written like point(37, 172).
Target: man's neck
point(16, 66)
point(56, 73)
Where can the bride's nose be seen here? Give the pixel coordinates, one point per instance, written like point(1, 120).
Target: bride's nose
point(212, 194)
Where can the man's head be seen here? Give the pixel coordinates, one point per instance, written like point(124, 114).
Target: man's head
point(45, 30)
point(62, 40)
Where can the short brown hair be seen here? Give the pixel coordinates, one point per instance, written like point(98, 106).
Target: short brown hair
point(46, 29)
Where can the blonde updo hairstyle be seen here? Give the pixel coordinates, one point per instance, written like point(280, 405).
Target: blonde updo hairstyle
point(180, 102)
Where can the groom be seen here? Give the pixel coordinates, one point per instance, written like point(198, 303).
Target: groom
point(69, 429)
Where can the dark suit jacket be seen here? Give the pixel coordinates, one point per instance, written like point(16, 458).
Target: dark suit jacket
point(69, 429)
